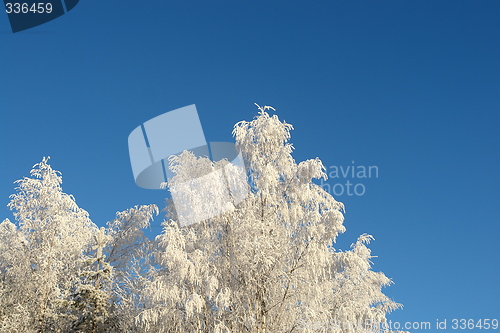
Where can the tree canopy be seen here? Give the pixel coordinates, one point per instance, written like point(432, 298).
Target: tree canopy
point(267, 263)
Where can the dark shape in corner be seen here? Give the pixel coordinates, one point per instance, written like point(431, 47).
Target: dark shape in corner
point(35, 12)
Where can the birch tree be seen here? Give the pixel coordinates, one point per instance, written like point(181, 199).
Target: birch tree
point(269, 264)
point(53, 237)
point(59, 272)
point(129, 253)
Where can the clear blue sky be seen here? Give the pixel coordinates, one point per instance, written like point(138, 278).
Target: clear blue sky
point(412, 87)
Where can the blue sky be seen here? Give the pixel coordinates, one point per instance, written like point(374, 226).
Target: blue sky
point(411, 87)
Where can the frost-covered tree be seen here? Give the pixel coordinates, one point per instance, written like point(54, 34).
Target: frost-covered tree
point(268, 264)
point(59, 272)
point(49, 248)
point(129, 252)
point(92, 296)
